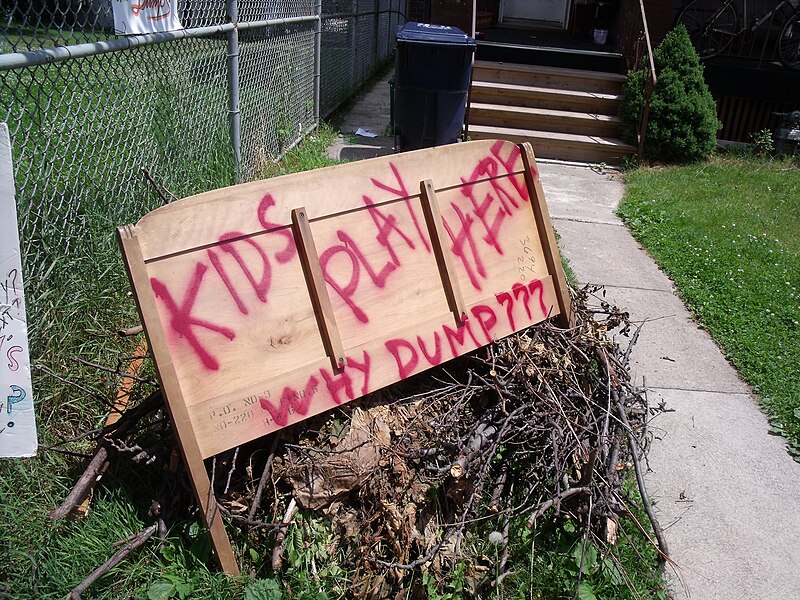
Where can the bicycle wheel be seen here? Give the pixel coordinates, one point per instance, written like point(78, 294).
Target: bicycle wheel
point(789, 42)
point(711, 27)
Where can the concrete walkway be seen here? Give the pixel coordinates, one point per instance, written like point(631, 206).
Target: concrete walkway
point(725, 490)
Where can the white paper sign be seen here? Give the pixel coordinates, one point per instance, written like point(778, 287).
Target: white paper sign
point(145, 16)
point(17, 420)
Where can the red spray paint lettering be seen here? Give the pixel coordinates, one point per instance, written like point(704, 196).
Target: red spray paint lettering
point(285, 255)
point(387, 225)
point(357, 259)
point(183, 321)
point(464, 247)
point(343, 381)
point(402, 192)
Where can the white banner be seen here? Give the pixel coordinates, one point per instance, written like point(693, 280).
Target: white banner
point(145, 16)
point(17, 421)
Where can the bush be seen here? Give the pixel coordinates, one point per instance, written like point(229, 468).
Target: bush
point(683, 124)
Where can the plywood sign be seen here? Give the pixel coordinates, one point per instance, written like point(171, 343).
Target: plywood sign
point(269, 302)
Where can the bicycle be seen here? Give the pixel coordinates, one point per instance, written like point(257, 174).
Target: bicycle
point(713, 26)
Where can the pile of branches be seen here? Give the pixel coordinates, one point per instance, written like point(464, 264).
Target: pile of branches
point(540, 426)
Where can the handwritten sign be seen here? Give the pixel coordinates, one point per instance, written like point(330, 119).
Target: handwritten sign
point(17, 420)
point(269, 302)
point(145, 16)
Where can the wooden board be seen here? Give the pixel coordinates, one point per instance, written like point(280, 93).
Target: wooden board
point(269, 302)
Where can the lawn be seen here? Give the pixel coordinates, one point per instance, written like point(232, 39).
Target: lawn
point(728, 233)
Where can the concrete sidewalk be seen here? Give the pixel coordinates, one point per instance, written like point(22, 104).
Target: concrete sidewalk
point(725, 490)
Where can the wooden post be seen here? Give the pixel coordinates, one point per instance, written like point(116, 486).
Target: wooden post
point(433, 218)
point(316, 286)
point(176, 406)
point(544, 226)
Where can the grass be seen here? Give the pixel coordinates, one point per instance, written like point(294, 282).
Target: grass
point(726, 232)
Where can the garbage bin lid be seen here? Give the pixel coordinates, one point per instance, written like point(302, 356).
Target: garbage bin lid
point(433, 34)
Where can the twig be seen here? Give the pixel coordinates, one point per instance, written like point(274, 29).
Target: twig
point(129, 331)
point(158, 189)
point(265, 474)
point(280, 537)
point(648, 508)
point(100, 461)
point(634, 339)
point(94, 471)
point(112, 370)
point(94, 394)
point(544, 506)
point(117, 557)
point(232, 469)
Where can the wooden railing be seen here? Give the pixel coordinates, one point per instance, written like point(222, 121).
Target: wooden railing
point(634, 42)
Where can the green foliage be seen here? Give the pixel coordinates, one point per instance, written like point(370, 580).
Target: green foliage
point(726, 233)
point(308, 154)
point(762, 143)
point(263, 589)
point(682, 125)
point(557, 561)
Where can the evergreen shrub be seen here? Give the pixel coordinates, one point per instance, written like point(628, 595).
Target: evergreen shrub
point(683, 124)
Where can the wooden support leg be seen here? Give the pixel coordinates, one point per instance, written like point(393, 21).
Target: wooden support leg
point(178, 412)
point(552, 256)
point(208, 504)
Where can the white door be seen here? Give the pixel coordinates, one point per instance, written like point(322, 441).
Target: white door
point(553, 11)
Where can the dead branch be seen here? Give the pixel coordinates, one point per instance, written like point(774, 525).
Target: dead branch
point(80, 491)
point(637, 468)
point(548, 504)
point(101, 458)
point(280, 536)
point(265, 474)
point(129, 331)
point(542, 423)
point(135, 542)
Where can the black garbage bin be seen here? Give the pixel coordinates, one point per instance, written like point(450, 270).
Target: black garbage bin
point(432, 77)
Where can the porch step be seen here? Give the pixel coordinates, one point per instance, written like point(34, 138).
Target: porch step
point(543, 119)
point(549, 77)
point(565, 58)
point(569, 114)
point(564, 146)
point(494, 92)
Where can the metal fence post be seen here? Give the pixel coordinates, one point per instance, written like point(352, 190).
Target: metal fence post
point(233, 89)
point(317, 59)
point(376, 27)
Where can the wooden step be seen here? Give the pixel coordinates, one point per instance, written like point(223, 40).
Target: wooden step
point(566, 58)
point(550, 77)
point(543, 119)
point(563, 146)
point(542, 97)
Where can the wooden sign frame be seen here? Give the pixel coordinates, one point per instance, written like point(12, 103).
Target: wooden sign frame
point(426, 255)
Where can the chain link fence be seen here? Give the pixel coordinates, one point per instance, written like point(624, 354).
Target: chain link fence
point(198, 108)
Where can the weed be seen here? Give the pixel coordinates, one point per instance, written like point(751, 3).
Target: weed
point(762, 143)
